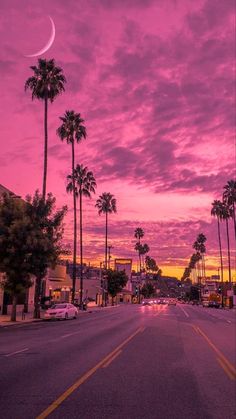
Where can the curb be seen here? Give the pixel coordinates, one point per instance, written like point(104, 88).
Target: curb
point(8, 323)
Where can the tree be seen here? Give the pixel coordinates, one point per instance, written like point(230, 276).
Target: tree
point(46, 84)
point(225, 215)
point(106, 204)
point(151, 264)
point(46, 248)
point(216, 211)
point(199, 246)
point(229, 198)
point(144, 249)
point(138, 234)
point(186, 274)
point(148, 290)
point(16, 238)
point(73, 131)
point(85, 184)
point(116, 281)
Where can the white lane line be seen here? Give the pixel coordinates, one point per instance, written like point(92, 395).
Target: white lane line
point(64, 336)
point(185, 312)
point(17, 352)
point(69, 334)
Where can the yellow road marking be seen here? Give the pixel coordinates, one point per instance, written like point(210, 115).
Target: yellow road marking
point(221, 358)
point(112, 359)
point(195, 328)
point(88, 374)
point(225, 368)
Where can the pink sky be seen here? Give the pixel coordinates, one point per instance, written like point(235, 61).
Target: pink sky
point(154, 81)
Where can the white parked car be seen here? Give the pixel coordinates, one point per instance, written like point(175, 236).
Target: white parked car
point(61, 311)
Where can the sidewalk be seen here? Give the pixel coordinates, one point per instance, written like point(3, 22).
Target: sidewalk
point(5, 320)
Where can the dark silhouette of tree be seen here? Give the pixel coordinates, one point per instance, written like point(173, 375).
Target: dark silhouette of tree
point(138, 234)
point(216, 211)
point(85, 184)
point(46, 84)
point(73, 131)
point(229, 198)
point(106, 204)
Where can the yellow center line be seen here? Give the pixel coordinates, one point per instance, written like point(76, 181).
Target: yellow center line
point(225, 368)
point(88, 374)
point(221, 358)
point(111, 359)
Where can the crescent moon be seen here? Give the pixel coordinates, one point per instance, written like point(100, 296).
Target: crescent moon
point(48, 44)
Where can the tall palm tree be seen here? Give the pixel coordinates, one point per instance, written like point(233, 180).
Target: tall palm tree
point(138, 234)
point(199, 246)
point(73, 131)
point(144, 249)
point(46, 84)
point(201, 238)
point(229, 197)
point(225, 215)
point(216, 212)
point(106, 204)
point(85, 184)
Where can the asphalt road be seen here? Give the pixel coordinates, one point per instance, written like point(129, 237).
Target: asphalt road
point(125, 362)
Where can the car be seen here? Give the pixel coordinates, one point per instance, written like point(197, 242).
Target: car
point(172, 302)
point(195, 302)
point(205, 303)
point(61, 311)
point(214, 304)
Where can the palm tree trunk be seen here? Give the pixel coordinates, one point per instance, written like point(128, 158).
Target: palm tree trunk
point(75, 226)
point(13, 311)
point(234, 220)
point(81, 249)
point(228, 245)
point(139, 256)
point(221, 263)
point(45, 146)
point(106, 232)
point(220, 247)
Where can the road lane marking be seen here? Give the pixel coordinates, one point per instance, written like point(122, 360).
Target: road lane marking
point(69, 334)
point(226, 370)
point(17, 352)
point(111, 359)
point(185, 312)
point(223, 359)
point(84, 377)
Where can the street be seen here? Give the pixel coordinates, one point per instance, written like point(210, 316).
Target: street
point(128, 361)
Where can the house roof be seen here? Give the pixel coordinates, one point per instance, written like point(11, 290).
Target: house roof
point(3, 190)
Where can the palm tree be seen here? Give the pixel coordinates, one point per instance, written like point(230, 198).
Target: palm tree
point(46, 84)
point(225, 214)
point(106, 204)
point(216, 212)
point(144, 249)
point(199, 246)
point(138, 234)
point(72, 130)
point(229, 197)
point(201, 238)
point(85, 184)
